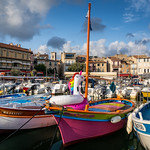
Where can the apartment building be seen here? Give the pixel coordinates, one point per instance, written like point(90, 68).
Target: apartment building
point(143, 64)
point(44, 59)
point(113, 64)
point(97, 66)
point(68, 59)
point(15, 57)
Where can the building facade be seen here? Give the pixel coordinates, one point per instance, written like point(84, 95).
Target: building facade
point(68, 59)
point(15, 57)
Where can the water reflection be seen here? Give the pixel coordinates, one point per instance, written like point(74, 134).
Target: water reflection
point(41, 139)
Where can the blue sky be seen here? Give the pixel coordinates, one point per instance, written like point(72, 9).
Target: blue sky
point(118, 26)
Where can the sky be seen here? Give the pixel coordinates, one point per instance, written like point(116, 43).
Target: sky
point(45, 26)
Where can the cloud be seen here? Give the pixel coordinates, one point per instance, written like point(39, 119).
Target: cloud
point(97, 48)
point(143, 41)
point(130, 35)
point(137, 9)
point(96, 25)
point(56, 42)
point(130, 48)
point(42, 49)
point(129, 17)
point(20, 19)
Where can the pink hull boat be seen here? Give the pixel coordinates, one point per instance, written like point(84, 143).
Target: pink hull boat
point(97, 119)
point(74, 130)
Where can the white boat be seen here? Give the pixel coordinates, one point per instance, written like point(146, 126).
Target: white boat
point(141, 121)
point(131, 92)
point(58, 89)
point(24, 113)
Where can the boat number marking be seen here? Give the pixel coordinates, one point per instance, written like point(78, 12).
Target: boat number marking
point(139, 126)
point(11, 113)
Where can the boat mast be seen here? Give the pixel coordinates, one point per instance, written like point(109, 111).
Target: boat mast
point(87, 56)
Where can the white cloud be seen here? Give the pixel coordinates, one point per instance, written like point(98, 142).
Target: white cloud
point(20, 19)
point(42, 49)
point(97, 48)
point(137, 9)
point(129, 48)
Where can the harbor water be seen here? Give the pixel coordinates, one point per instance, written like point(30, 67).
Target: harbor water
point(49, 138)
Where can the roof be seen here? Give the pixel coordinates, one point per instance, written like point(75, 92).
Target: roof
point(140, 56)
point(94, 62)
point(15, 47)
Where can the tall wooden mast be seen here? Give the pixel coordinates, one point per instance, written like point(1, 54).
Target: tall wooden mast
point(87, 57)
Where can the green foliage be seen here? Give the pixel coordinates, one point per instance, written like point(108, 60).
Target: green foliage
point(76, 67)
point(40, 68)
point(15, 72)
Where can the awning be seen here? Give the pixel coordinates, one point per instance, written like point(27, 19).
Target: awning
point(125, 75)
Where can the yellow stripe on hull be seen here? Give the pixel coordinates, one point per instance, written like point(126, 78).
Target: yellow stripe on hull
point(146, 94)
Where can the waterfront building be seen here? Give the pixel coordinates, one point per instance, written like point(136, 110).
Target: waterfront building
point(81, 58)
point(97, 66)
point(15, 57)
point(68, 59)
point(113, 64)
point(143, 64)
point(134, 70)
point(49, 63)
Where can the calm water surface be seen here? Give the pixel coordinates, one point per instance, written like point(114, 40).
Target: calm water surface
point(44, 139)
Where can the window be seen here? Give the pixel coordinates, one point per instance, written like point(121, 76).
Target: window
point(144, 70)
point(23, 56)
point(15, 54)
point(7, 53)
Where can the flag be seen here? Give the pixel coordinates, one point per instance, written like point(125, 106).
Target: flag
point(87, 16)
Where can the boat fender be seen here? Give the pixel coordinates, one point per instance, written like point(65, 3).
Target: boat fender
point(115, 119)
point(129, 126)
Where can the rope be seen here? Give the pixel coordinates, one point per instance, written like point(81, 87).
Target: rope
point(56, 128)
point(21, 126)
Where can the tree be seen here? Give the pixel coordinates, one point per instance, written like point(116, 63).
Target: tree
point(41, 68)
point(76, 67)
point(15, 72)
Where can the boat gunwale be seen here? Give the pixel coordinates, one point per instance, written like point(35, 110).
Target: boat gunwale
point(60, 108)
point(20, 116)
point(138, 120)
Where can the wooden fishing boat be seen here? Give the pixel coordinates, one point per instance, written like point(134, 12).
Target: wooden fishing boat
point(23, 113)
point(78, 119)
point(141, 121)
point(97, 119)
point(9, 96)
